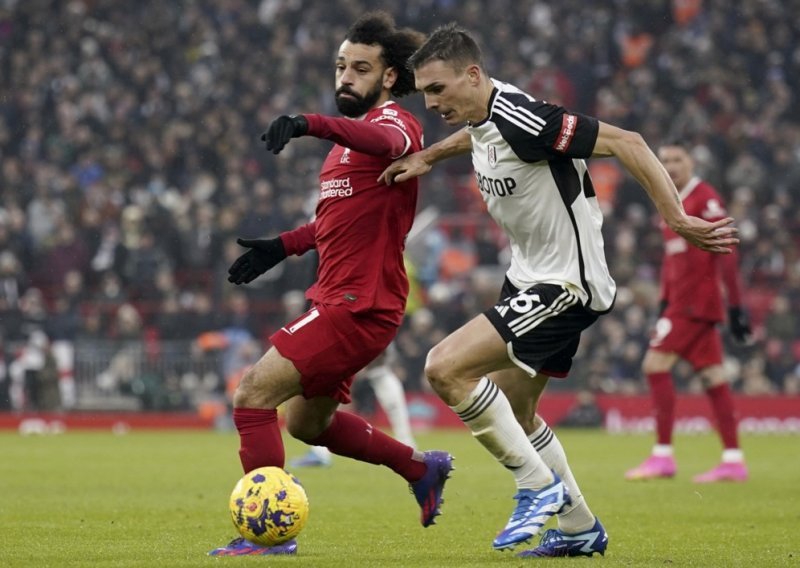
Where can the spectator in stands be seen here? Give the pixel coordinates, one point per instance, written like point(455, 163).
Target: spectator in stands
point(84, 126)
point(585, 413)
point(65, 252)
point(93, 327)
point(110, 292)
point(12, 281)
point(34, 376)
point(781, 323)
point(171, 320)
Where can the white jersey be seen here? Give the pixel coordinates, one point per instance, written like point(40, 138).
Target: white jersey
point(528, 159)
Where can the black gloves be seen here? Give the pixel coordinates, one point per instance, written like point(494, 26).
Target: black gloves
point(283, 129)
point(263, 255)
point(739, 325)
point(662, 306)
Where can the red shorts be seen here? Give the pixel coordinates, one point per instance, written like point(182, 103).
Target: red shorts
point(329, 344)
point(698, 342)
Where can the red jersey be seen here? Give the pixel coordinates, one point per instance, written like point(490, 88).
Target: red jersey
point(361, 225)
point(692, 279)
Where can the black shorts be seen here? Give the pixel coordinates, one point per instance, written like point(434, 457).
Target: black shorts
point(541, 325)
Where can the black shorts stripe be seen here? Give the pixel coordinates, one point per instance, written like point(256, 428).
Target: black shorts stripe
point(542, 326)
point(561, 304)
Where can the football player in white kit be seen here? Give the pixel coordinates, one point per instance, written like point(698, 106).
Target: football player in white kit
point(529, 164)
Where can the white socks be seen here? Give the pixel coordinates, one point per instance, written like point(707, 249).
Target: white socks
point(576, 517)
point(732, 455)
point(487, 412)
point(321, 452)
point(729, 455)
point(392, 398)
point(662, 451)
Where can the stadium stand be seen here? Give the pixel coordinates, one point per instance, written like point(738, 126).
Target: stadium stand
point(130, 161)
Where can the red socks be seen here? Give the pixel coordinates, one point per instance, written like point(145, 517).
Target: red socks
point(662, 393)
point(348, 435)
point(353, 437)
point(722, 405)
point(260, 439)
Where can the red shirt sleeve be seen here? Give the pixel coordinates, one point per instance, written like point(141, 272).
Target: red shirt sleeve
point(382, 140)
point(729, 264)
point(300, 240)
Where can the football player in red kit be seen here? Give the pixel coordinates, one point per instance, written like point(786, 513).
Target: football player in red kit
point(692, 306)
point(360, 294)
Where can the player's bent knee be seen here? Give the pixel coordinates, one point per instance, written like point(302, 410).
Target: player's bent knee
point(247, 395)
point(303, 429)
point(713, 376)
point(438, 370)
point(656, 362)
point(300, 431)
point(241, 396)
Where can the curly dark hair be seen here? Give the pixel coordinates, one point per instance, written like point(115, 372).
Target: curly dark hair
point(378, 28)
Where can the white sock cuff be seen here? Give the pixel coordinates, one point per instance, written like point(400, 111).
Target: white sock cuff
point(662, 451)
point(477, 401)
point(321, 452)
point(732, 455)
point(541, 437)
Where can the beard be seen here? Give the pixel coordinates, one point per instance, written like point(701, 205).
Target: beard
point(359, 105)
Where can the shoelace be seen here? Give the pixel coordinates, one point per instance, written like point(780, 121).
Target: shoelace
point(522, 510)
point(550, 537)
point(555, 543)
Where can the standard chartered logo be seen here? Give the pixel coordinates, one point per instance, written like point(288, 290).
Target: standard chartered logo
point(336, 187)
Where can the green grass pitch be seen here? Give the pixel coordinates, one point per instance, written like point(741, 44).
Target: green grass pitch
point(160, 499)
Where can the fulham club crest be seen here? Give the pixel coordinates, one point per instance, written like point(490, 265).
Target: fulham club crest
point(492, 155)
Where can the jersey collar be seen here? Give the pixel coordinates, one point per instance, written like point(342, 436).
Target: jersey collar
point(489, 106)
point(687, 189)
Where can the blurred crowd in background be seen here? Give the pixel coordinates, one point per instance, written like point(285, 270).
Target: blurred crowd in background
point(130, 161)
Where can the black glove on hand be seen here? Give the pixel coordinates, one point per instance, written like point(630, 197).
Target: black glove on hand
point(739, 324)
point(263, 255)
point(283, 129)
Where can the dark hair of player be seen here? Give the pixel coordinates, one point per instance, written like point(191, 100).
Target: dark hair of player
point(675, 143)
point(378, 28)
point(451, 44)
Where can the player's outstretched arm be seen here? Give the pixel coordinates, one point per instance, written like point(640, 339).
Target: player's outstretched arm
point(262, 255)
point(717, 237)
point(634, 154)
point(420, 163)
point(375, 138)
point(413, 165)
point(283, 129)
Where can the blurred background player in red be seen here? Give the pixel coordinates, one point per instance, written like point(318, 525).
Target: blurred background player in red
point(692, 307)
point(359, 298)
